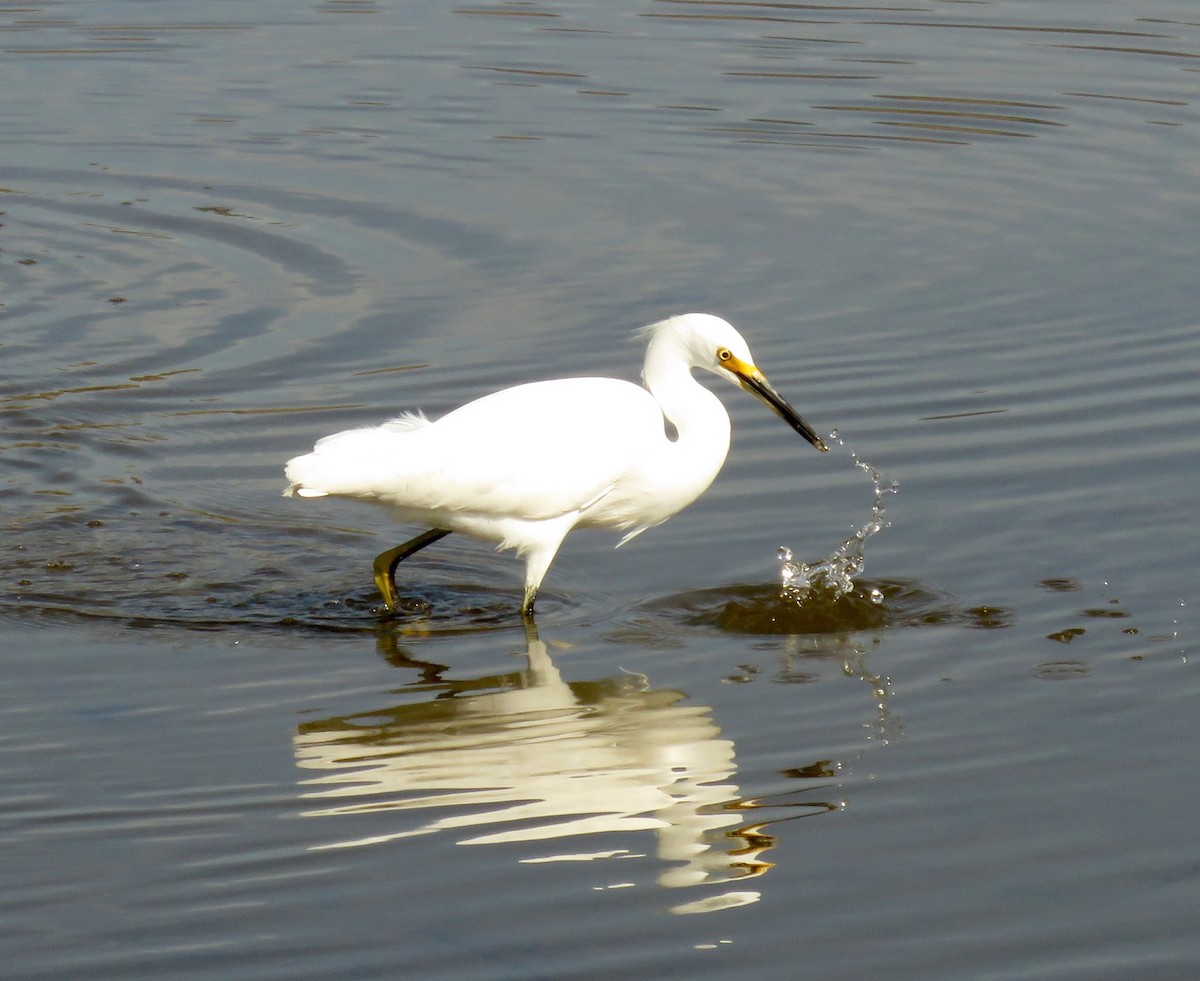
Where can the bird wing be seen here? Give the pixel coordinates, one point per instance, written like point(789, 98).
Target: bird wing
point(535, 452)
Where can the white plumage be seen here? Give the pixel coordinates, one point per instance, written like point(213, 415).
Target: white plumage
point(525, 465)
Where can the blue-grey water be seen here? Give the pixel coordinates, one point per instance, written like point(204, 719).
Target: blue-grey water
point(964, 235)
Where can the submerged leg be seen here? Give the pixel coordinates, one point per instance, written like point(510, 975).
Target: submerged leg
point(386, 562)
point(533, 640)
point(539, 557)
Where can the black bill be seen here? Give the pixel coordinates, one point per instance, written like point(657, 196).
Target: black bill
point(754, 382)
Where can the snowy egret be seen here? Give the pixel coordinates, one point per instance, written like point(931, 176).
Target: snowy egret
point(525, 465)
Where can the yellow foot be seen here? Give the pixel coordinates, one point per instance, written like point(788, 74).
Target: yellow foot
point(386, 562)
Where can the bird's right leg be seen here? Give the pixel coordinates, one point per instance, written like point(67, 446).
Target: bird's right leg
point(539, 556)
point(386, 562)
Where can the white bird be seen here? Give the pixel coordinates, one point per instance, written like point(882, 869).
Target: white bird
point(525, 465)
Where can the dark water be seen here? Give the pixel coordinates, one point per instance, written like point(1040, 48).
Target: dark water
point(963, 234)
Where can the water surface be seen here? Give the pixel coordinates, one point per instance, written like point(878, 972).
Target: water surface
point(963, 235)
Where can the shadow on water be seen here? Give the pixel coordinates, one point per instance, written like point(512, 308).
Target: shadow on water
point(158, 569)
point(872, 605)
point(135, 592)
point(164, 570)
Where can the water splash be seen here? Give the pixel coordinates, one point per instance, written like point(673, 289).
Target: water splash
point(835, 574)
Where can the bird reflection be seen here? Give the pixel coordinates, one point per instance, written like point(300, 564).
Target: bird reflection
point(526, 757)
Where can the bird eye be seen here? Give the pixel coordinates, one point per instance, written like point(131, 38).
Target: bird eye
point(724, 354)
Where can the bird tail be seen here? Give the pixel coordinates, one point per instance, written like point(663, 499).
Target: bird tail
point(347, 463)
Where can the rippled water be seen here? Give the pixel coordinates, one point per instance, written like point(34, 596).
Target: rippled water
point(961, 234)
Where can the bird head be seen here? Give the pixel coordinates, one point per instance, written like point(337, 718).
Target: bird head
point(716, 346)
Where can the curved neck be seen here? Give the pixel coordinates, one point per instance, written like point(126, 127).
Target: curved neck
point(702, 429)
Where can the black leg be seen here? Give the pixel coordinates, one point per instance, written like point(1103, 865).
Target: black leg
point(386, 562)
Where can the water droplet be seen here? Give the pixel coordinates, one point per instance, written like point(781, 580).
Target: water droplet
point(838, 570)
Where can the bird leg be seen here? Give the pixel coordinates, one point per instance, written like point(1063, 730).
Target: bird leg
point(386, 562)
point(533, 640)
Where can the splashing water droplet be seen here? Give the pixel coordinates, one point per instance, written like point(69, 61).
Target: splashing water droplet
point(837, 571)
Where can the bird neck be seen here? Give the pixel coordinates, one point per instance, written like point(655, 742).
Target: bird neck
point(699, 419)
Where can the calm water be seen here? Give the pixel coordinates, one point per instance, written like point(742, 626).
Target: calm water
point(962, 234)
